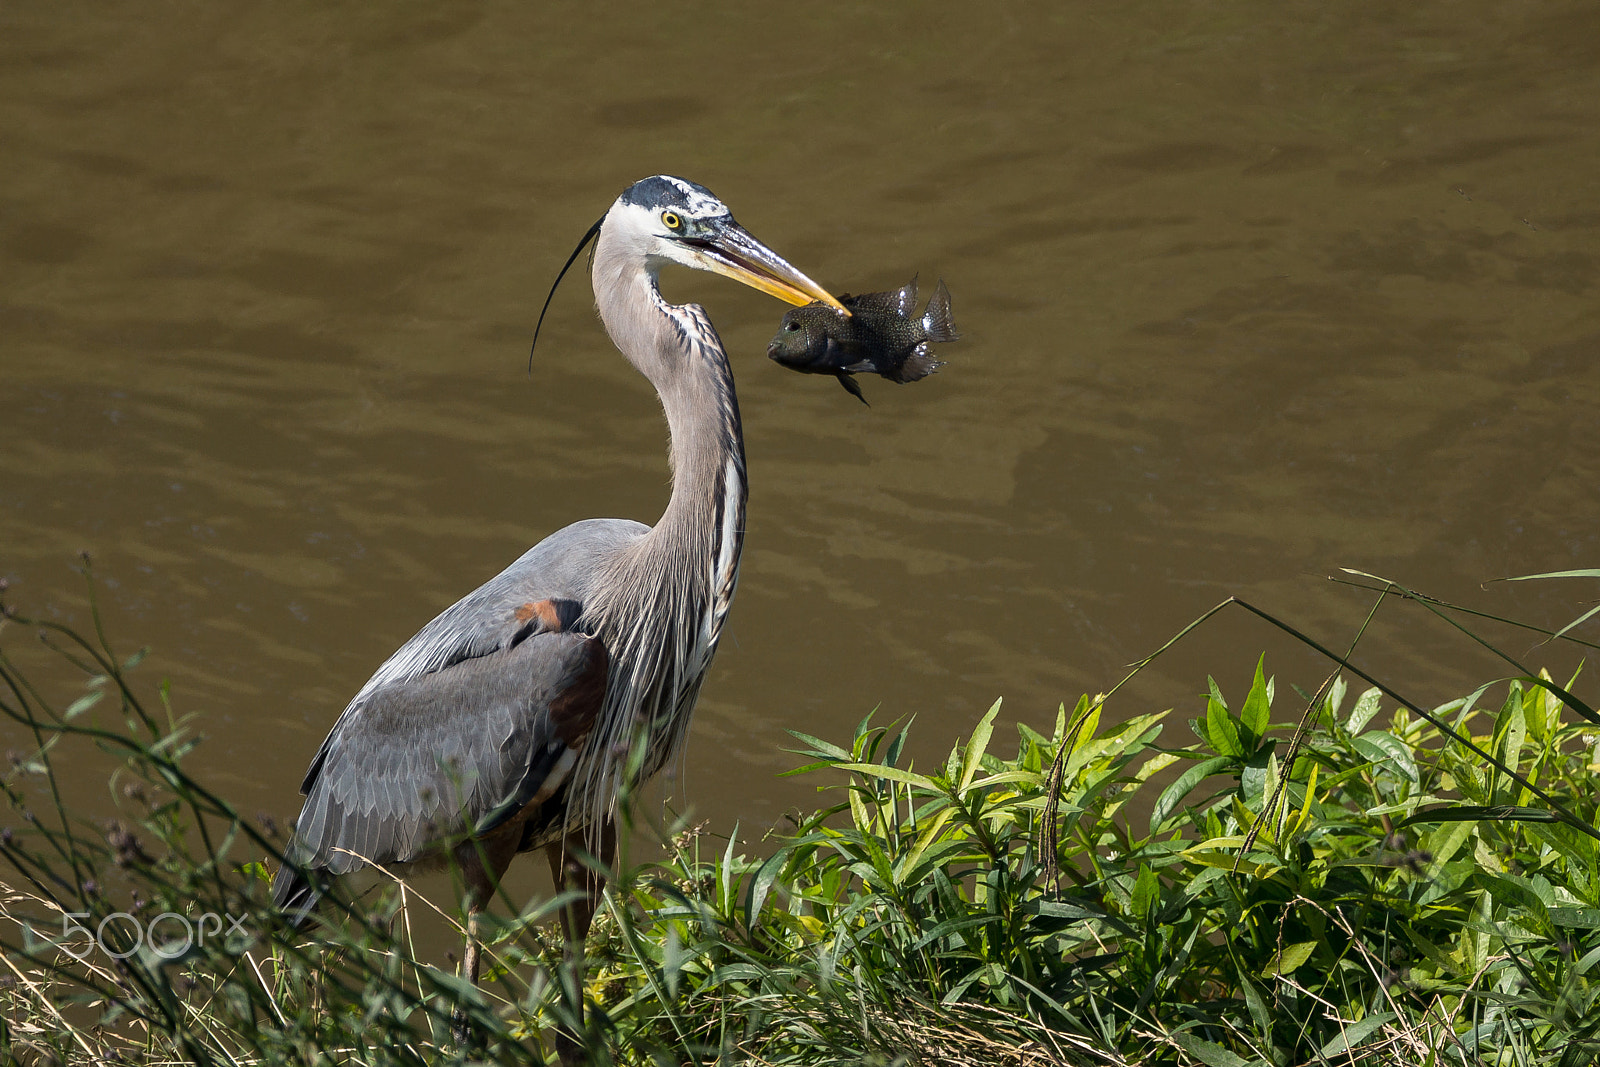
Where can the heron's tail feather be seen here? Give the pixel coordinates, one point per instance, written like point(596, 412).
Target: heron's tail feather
point(295, 893)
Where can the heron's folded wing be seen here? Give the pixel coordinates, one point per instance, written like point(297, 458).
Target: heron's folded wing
point(559, 571)
point(416, 762)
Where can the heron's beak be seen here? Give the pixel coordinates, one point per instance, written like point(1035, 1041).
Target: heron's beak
point(727, 248)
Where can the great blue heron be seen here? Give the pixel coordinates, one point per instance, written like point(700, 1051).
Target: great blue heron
point(506, 723)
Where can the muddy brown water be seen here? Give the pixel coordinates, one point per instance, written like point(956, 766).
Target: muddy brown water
point(1250, 292)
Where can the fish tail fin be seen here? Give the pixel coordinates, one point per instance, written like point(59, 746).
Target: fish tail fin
point(936, 321)
point(918, 365)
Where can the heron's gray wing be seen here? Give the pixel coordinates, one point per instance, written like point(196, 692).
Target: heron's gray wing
point(416, 762)
point(476, 678)
point(496, 615)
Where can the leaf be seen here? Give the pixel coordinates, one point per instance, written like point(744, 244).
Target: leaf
point(1211, 844)
point(975, 747)
point(1335, 697)
point(1171, 796)
point(880, 868)
point(1367, 705)
point(727, 869)
point(1579, 621)
point(1084, 746)
point(820, 747)
point(925, 838)
point(1443, 844)
point(1005, 777)
point(1585, 573)
point(1510, 728)
point(737, 972)
point(1512, 888)
point(672, 960)
point(1479, 813)
point(1576, 846)
point(1257, 711)
point(898, 744)
point(1255, 775)
point(1258, 1007)
point(1223, 853)
point(1207, 1052)
point(1146, 891)
point(1357, 1033)
point(1057, 909)
point(806, 769)
point(1535, 708)
point(1221, 730)
point(1215, 691)
point(1291, 958)
point(858, 812)
point(1380, 746)
point(879, 770)
point(1311, 795)
point(1581, 918)
point(948, 927)
point(761, 885)
point(919, 864)
point(84, 703)
point(1589, 573)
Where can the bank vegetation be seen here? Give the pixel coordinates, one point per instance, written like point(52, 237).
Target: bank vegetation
point(1279, 876)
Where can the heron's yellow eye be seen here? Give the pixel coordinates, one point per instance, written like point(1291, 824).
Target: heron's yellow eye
point(671, 220)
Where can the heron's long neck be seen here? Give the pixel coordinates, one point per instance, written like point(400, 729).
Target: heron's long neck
point(705, 515)
point(694, 548)
point(661, 607)
point(690, 561)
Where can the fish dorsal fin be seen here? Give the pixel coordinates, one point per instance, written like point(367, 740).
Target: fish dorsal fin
point(936, 321)
point(899, 302)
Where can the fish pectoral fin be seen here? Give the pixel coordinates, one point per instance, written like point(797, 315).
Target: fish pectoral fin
point(851, 387)
point(835, 354)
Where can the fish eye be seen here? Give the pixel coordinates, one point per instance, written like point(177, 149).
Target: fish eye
point(671, 221)
point(791, 327)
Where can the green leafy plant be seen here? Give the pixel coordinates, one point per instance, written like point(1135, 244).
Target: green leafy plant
point(1357, 881)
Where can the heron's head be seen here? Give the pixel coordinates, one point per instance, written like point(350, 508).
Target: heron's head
point(665, 220)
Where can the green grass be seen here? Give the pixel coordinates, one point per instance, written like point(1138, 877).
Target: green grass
point(1339, 877)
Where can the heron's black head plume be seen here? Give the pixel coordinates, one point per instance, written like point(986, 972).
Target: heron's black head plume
point(590, 236)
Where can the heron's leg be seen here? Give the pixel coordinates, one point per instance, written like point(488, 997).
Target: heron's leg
point(470, 955)
point(482, 863)
point(570, 872)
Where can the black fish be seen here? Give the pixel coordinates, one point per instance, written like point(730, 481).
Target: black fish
point(880, 337)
